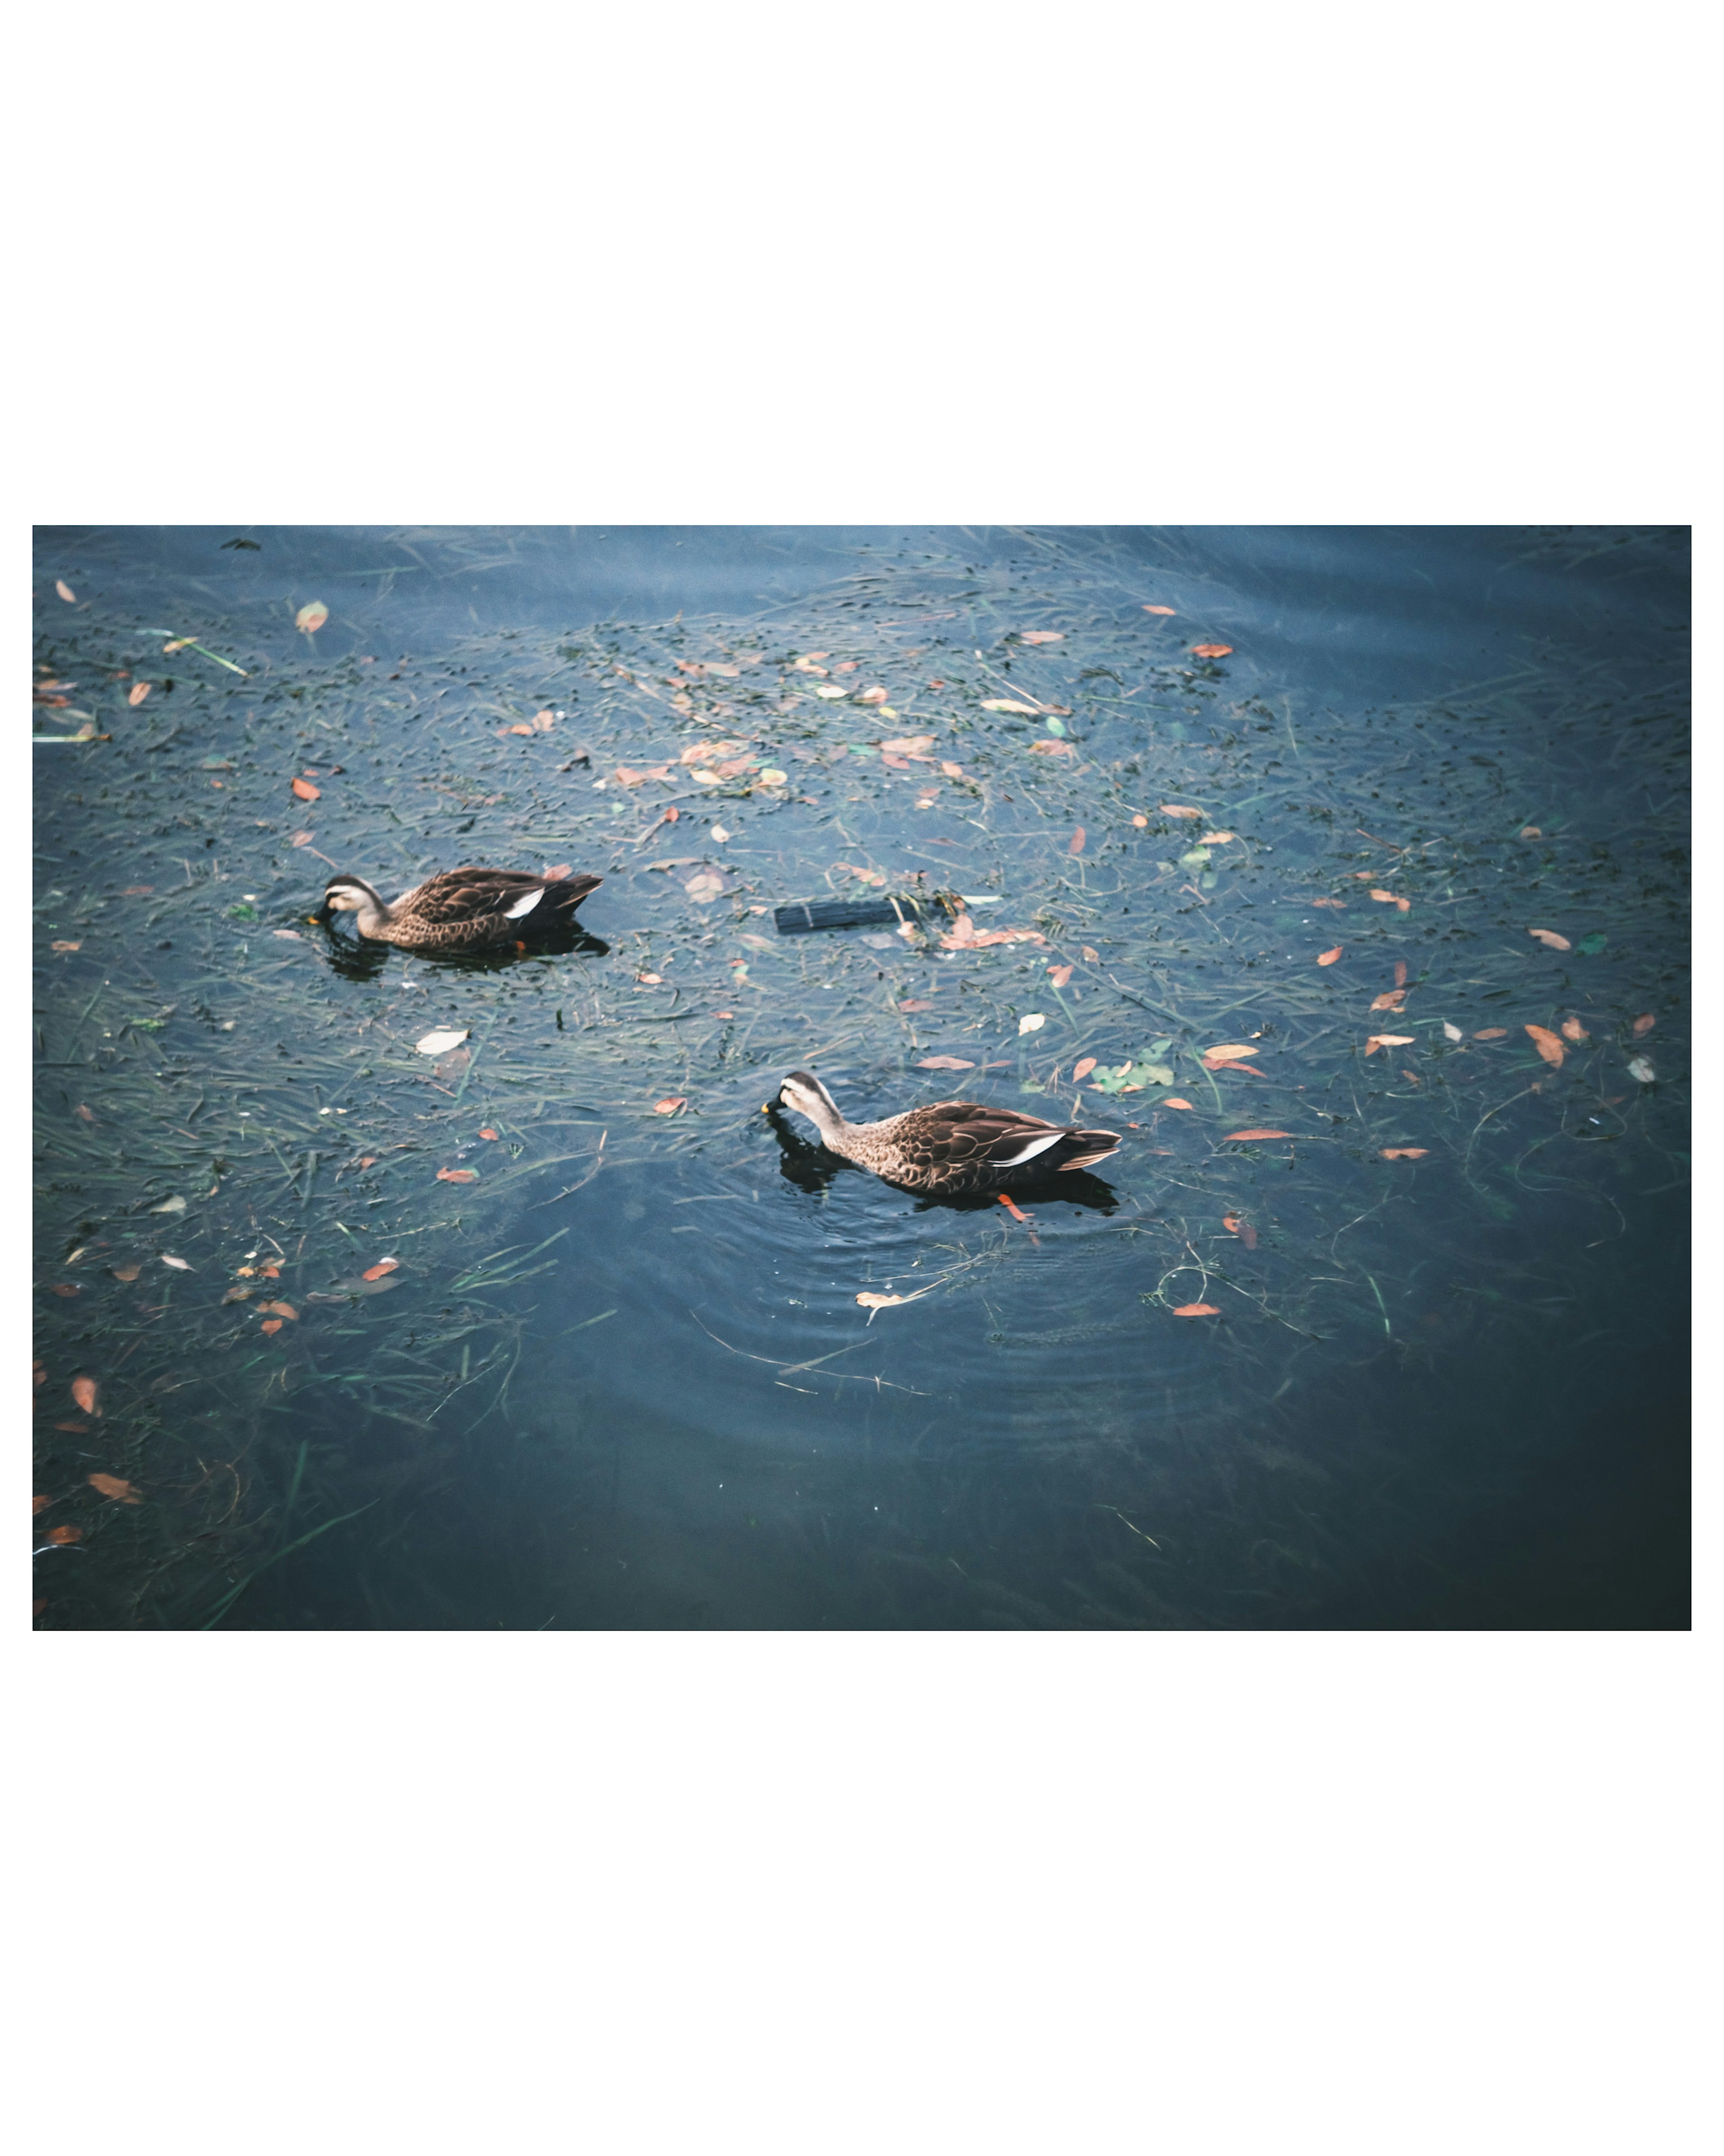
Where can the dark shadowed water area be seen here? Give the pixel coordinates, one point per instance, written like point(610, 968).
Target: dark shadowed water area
point(554, 1327)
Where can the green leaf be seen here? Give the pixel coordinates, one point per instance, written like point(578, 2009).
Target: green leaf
point(1057, 726)
point(1589, 947)
point(1198, 858)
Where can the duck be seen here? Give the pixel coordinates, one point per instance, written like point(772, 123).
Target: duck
point(460, 909)
point(952, 1148)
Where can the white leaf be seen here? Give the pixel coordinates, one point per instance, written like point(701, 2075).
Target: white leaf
point(1453, 1032)
point(170, 1205)
point(179, 1265)
point(1031, 1022)
point(1642, 1067)
point(440, 1042)
point(721, 834)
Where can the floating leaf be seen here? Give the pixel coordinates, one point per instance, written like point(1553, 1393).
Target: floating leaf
point(377, 1271)
point(952, 770)
point(1550, 936)
point(1547, 1044)
point(65, 590)
point(1139, 823)
point(1405, 1153)
point(1041, 636)
point(915, 1004)
point(288, 935)
point(272, 1324)
point(311, 618)
point(1077, 841)
point(669, 1106)
point(83, 1394)
point(1252, 1137)
point(1171, 808)
point(1007, 704)
point(874, 696)
point(1530, 831)
point(1642, 1068)
point(112, 1486)
point(1091, 957)
point(1589, 947)
point(1052, 748)
point(170, 1205)
point(136, 694)
point(487, 1133)
point(179, 1265)
point(125, 1272)
point(306, 791)
point(1644, 1023)
point(1031, 1022)
point(1197, 1309)
point(1385, 897)
point(1450, 1032)
point(944, 1063)
point(439, 1043)
point(1390, 999)
point(281, 1310)
point(1228, 1052)
point(770, 777)
point(869, 1301)
point(1211, 650)
point(296, 839)
point(69, 947)
point(1339, 904)
point(1491, 1033)
point(1156, 610)
point(1175, 1100)
point(64, 1535)
point(963, 935)
point(1081, 1070)
point(1059, 975)
point(1572, 1029)
point(1328, 957)
point(1220, 838)
point(1387, 1040)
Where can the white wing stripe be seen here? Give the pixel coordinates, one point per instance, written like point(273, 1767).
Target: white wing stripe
point(523, 905)
point(1030, 1150)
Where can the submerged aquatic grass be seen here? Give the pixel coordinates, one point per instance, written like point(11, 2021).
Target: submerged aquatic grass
point(1443, 1183)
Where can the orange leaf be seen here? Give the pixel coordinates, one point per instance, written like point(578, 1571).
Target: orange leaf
point(1339, 904)
point(126, 1272)
point(272, 1324)
point(458, 1175)
point(1081, 1070)
point(40, 1504)
point(1211, 650)
point(306, 790)
point(1173, 1101)
point(272, 1272)
point(281, 1310)
point(383, 1266)
point(1405, 1153)
point(1390, 999)
point(1249, 1137)
point(1169, 808)
point(112, 1486)
point(1385, 898)
point(1492, 1033)
point(1197, 1309)
point(944, 1063)
point(1547, 1044)
point(1328, 957)
point(1156, 609)
point(1231, 1221)
point(1077, 841)
point(1059, 975)
point(669, 1106)
point(1644, 1023)
point(1139, 823)
point(138, 693)
point(1229, 1051)
point(1572, 1029)
point(1549, 935)
point(83, 1394)
point(66, 1534)
point(488, 1133)
point(311, 618)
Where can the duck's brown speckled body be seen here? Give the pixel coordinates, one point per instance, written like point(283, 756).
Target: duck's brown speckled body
point(953, 1149)
point(461, 909)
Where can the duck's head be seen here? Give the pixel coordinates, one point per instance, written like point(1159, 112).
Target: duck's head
point(347, 893)
point(804, 1091)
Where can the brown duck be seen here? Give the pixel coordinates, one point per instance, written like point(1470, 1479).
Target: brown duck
point(952, 1148)
point(461, 909)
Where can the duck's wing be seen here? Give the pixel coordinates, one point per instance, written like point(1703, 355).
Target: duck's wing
point(460, 895)
point(965, 1134)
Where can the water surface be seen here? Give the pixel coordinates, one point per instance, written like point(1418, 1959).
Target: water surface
point(617, 1373)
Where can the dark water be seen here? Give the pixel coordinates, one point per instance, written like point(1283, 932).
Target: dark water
point(621, 1377)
